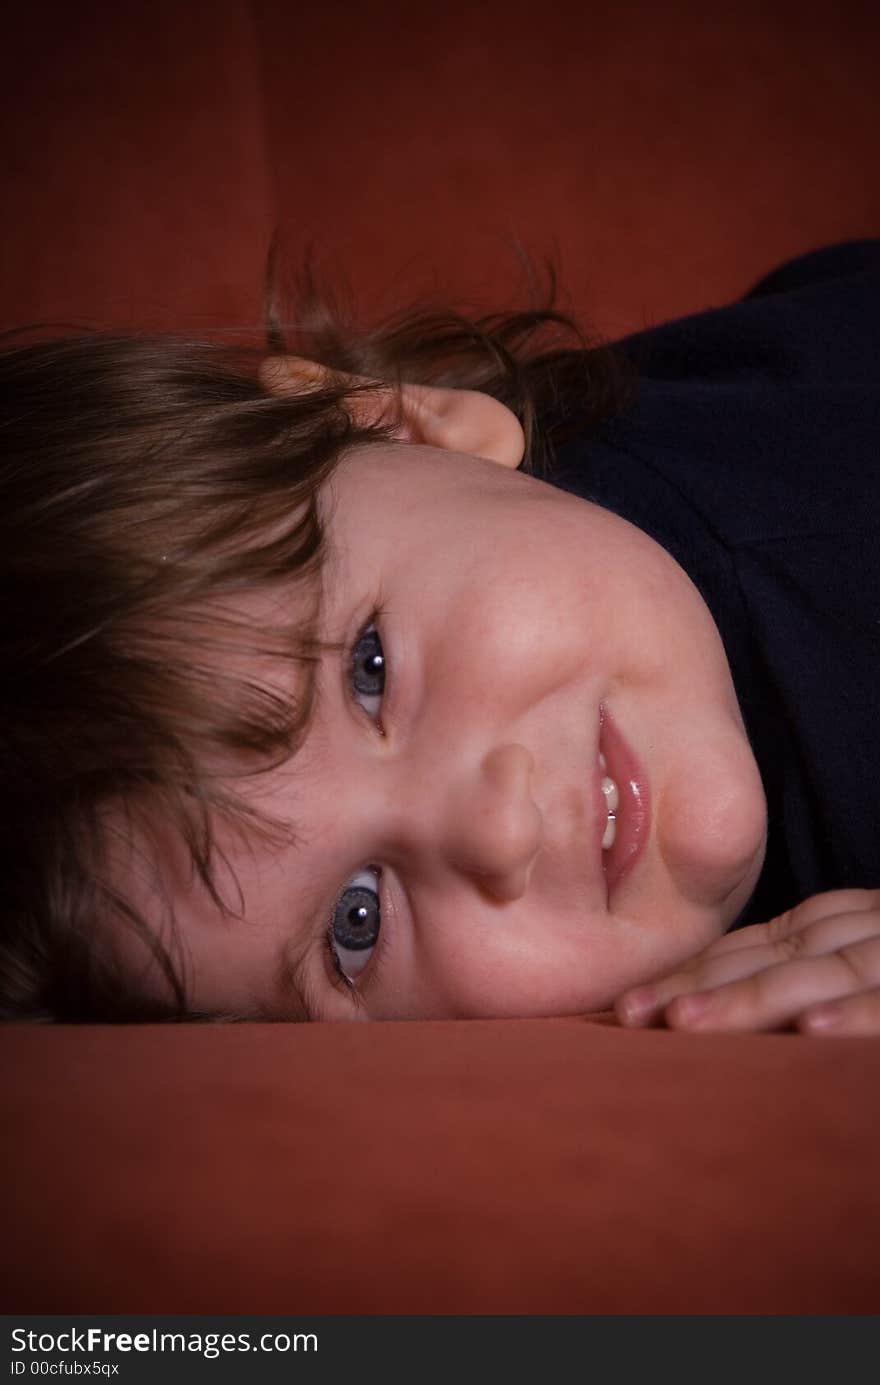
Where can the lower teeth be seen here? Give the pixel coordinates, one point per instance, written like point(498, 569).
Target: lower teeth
point(610, 832)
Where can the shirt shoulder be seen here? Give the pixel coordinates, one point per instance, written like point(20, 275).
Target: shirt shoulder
point(813, 319)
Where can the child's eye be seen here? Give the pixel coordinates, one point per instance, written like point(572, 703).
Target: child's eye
point(368, 671)
point(353, 931)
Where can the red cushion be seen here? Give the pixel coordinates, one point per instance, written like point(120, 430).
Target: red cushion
point(512, 1166)
point(542, 1166)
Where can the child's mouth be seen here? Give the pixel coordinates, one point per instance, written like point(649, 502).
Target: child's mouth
point(624, 787)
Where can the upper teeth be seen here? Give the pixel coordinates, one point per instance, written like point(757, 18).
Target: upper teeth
point(609, 789)
point(612, 799)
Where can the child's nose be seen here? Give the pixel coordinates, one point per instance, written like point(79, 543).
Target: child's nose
point(492, 828)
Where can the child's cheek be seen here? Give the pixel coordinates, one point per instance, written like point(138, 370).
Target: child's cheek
point(711, 819)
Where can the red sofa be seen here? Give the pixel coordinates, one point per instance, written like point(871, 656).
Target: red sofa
point(669, 156)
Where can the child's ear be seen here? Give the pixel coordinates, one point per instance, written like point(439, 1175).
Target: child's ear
point(454, 420)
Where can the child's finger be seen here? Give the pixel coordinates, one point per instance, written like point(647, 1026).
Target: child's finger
point(830, 904)
point(645, 1004)
point(777, 995)
point(852, 1016)
point(712, 970)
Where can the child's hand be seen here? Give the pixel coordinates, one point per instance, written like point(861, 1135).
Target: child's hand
point(815, 968)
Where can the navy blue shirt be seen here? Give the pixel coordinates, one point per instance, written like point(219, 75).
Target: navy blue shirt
point(751, 452)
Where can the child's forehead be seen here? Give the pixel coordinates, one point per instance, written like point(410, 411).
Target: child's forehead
point(148, 865)
point(145, 854)
point(147, 857)
point(250, 654)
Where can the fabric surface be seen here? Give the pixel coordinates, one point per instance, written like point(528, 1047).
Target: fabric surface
point(666, 155)
point(751, 454)
point(136, 180)
point(670, 155)
point(543, 1166)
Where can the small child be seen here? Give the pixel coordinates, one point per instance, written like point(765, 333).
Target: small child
point(445, 671)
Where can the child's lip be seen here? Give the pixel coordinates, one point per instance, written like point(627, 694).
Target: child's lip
point(634, 810)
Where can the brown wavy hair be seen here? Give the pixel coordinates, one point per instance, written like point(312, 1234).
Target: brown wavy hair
point(146, 479)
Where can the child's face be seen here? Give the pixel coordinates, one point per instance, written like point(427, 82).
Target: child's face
point(524, 633)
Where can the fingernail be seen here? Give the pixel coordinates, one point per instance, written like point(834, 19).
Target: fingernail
point(824, 1017)
point(638, 1004)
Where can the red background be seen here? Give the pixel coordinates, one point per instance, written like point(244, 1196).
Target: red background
point(668, 154)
